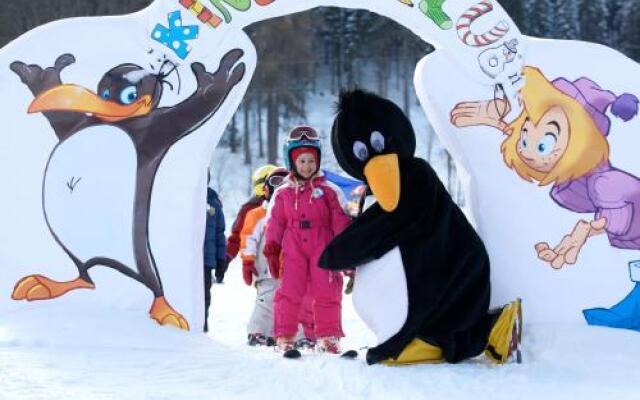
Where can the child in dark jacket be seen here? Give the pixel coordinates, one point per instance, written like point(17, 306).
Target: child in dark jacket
point(214, 247)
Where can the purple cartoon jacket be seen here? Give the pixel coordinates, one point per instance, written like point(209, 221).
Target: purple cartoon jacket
point(608, 192)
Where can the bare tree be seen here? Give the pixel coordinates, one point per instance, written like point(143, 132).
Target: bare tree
point(233, 135)
point(246, 137)
point(273, 127)
point(259, 124)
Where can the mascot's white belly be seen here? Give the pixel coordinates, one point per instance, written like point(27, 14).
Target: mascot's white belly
point(88, 193)
point(380, 295)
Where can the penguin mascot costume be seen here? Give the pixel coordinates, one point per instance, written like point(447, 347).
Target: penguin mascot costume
point(422, 273)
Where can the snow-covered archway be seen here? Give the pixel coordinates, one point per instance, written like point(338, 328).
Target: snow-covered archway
point(157, 167)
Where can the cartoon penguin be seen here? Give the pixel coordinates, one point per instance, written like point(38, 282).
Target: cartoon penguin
point(422, 273)
point(98, 181)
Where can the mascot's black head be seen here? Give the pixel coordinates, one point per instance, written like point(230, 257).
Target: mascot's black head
point(371, 137)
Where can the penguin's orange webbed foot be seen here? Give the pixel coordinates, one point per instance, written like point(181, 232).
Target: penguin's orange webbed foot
point(164, 314)
point(39, 287)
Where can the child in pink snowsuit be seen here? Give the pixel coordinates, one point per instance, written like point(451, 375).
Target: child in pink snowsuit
point(306, 213)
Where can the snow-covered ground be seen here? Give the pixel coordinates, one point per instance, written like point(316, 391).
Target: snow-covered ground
point(124, 356)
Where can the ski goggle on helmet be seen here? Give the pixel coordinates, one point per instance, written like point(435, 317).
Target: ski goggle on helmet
point(274, 180)
point(301, 136)
point(259, 177)
point(303, 132)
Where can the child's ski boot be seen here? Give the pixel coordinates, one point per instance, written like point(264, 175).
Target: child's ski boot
point(305, 344)
point(258, 339)
point(328, 344)
point(286, 346)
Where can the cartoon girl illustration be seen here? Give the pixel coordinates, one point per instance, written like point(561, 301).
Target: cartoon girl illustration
point(560, 138)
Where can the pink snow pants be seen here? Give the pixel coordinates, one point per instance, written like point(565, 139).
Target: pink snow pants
point(300, 267)
point(306, 315)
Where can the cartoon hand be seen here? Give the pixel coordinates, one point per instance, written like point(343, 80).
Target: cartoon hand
point(598, 226)
point(570, 246)
point(544, 252)
point(565, 253)
point(39, 80)
point(218, 84)
point(490, 113)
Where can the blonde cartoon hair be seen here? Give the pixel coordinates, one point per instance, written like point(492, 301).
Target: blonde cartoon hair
point(586, 148)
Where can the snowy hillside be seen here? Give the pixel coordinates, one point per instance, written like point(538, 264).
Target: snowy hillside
point(98, 355)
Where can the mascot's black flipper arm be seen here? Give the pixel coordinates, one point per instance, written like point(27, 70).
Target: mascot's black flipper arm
point(376, 232)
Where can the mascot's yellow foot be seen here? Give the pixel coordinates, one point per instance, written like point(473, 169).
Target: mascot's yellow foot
point(506, 334)
point(39, 287)
point(164, 314)
point(417, 352)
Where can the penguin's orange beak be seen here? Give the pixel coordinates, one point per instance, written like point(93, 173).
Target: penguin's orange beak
point(78, 99)
point(383, 177)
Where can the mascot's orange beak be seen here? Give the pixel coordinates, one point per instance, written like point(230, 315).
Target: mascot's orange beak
point(383, 177)
point(78, 99)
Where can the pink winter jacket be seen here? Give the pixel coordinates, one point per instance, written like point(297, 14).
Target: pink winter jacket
point(316, 208)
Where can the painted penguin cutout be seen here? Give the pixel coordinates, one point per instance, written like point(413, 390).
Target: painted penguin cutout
point(422, 273)
point(111, 144)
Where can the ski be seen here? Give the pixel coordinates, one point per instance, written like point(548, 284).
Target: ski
point(292, 354)
point(349, 354)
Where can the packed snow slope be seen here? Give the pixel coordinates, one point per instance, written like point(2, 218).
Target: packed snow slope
point(97, 353)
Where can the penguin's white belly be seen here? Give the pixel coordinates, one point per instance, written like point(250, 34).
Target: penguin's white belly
point(380, 295)
point(88, 194)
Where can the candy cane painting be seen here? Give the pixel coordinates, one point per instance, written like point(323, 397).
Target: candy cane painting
point(479, 40)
